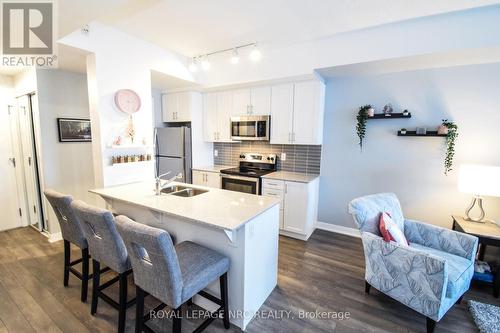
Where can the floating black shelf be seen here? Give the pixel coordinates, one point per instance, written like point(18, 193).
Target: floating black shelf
point(414, 133)
point(390, 116)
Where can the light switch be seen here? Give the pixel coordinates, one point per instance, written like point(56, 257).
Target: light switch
point(216, 152)
point(283, 156)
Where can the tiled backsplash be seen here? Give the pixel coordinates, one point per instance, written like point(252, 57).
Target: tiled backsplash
point(299, 158)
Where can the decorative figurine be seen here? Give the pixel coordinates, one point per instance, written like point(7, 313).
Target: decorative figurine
point(388, 109)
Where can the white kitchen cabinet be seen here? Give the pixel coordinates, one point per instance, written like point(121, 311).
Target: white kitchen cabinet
point(297, 113)
point(217, 108)
point(206, 178)
point(282, 113)
point(177, 107)
point(252, 101)
point(299, 205)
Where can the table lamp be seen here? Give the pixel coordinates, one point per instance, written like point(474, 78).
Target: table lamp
point(478, 180)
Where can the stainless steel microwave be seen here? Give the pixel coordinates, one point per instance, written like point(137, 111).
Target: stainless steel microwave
point(254, 128)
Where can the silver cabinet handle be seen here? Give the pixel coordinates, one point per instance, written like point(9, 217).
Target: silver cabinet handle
point(286, 188)
point(293, 136)
point(29, 160)
point(289, 137)
point(215, 136)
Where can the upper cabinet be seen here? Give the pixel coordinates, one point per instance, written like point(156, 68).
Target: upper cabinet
point(297, 111)
point(176, 107)
point(252, 101)
point(217, 108)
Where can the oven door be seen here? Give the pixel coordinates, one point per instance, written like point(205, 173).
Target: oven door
point(248, 185)
point(250, 128)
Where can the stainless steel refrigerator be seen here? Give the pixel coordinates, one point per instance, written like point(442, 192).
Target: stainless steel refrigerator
point(173, 151)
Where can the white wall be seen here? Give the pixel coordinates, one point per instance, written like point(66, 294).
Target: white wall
point(120, 61)
point(457, 31)
point(67, 167)
point(410, 167)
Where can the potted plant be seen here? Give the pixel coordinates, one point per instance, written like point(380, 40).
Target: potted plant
point(403, 131)
point(362, 117)
point(451, 136)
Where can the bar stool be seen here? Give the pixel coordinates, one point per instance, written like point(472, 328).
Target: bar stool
point(72, 233)
point(107, 248)
point(172, 274)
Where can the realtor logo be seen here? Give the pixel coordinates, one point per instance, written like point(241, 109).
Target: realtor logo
point(28, 33)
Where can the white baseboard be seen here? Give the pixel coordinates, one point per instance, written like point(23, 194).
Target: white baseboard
point(55, 237)
point(338, 229)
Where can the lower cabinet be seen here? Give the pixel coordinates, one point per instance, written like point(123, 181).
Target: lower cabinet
point(299, 205)
point(206, 178)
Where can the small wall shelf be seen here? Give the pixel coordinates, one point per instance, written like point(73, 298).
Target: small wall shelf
point(130, 147)
point(390, 116)
point(414, 133)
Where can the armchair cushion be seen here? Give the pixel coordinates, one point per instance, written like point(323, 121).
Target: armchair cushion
point(460, 270)
point(442, 239)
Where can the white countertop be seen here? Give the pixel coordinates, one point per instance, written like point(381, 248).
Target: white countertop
point(213, 168)
point(218, 208)
point(291, 176)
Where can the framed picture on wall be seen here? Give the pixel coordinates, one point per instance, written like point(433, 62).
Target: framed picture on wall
point(74, 130)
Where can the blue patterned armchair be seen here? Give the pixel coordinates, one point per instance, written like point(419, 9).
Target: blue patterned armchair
point(430, 275)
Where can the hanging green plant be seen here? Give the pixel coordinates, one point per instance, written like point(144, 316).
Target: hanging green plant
point(451, 137)
point(362, 117)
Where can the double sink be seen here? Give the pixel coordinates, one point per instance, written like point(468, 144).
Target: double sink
point(182, 191)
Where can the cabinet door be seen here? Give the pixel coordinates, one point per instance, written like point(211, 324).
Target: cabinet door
point(307, 113)
point(295, 207)
point(241, 102)
point(212, 179)
point(169, 107)
point(210, 117)
point(224, 111)
point(183, 107)
point(199, 178)
point(260, 100)
point(281, 113)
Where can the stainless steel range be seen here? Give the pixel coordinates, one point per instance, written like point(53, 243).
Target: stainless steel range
point(247, 177)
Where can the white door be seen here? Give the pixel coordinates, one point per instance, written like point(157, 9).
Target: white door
point(241, 102)
point(260, 100)
point(281, 113)
point(213, 179)
point(198, 178)
point(306, 113)
point(169, 106)
point(29, 162)
point(210, 117)
point(295, 207)
point(224, 110)
point(9, 203)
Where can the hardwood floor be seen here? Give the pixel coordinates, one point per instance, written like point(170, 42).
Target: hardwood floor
point(324, 274)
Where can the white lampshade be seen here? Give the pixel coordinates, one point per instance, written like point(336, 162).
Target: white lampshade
point(479, 180)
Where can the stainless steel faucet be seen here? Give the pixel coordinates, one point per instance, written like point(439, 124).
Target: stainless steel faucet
point(159, 186)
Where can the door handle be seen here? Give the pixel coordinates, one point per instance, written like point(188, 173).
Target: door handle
point(13, 161)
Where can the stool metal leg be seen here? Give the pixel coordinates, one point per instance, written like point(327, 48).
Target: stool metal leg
point(177, 321)
point(139, 310)
point(85, 274)
point(122, 310)
point(67, 253)
point(223, 296)
point(96, 267)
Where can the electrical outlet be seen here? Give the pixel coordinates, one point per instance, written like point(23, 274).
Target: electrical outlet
point(283, 156)
point(216, 152)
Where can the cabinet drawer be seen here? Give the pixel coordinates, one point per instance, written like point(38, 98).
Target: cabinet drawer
point(273, 184)
point(270, 192)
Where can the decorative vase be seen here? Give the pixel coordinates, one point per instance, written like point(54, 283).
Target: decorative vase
point(403, 131)
point(370, 112)
point(442, 130)
point(405, 113)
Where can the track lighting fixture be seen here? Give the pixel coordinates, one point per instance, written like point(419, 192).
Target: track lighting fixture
point(204, 62)
point(255, 54)
point(235, 58)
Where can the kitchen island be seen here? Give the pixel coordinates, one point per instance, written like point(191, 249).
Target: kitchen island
point(243, 227)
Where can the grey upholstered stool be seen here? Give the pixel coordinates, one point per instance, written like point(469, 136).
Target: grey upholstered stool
point(72, 233)
point(107, 248)
point(172, 274)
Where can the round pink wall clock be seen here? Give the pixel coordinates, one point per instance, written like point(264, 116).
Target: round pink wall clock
point(127, 101)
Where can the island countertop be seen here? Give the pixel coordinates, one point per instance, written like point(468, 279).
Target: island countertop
point(227, 210)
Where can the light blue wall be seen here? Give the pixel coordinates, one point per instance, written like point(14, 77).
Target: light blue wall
point(410, 167)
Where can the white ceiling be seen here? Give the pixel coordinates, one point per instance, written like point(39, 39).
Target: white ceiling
point(192, 27)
